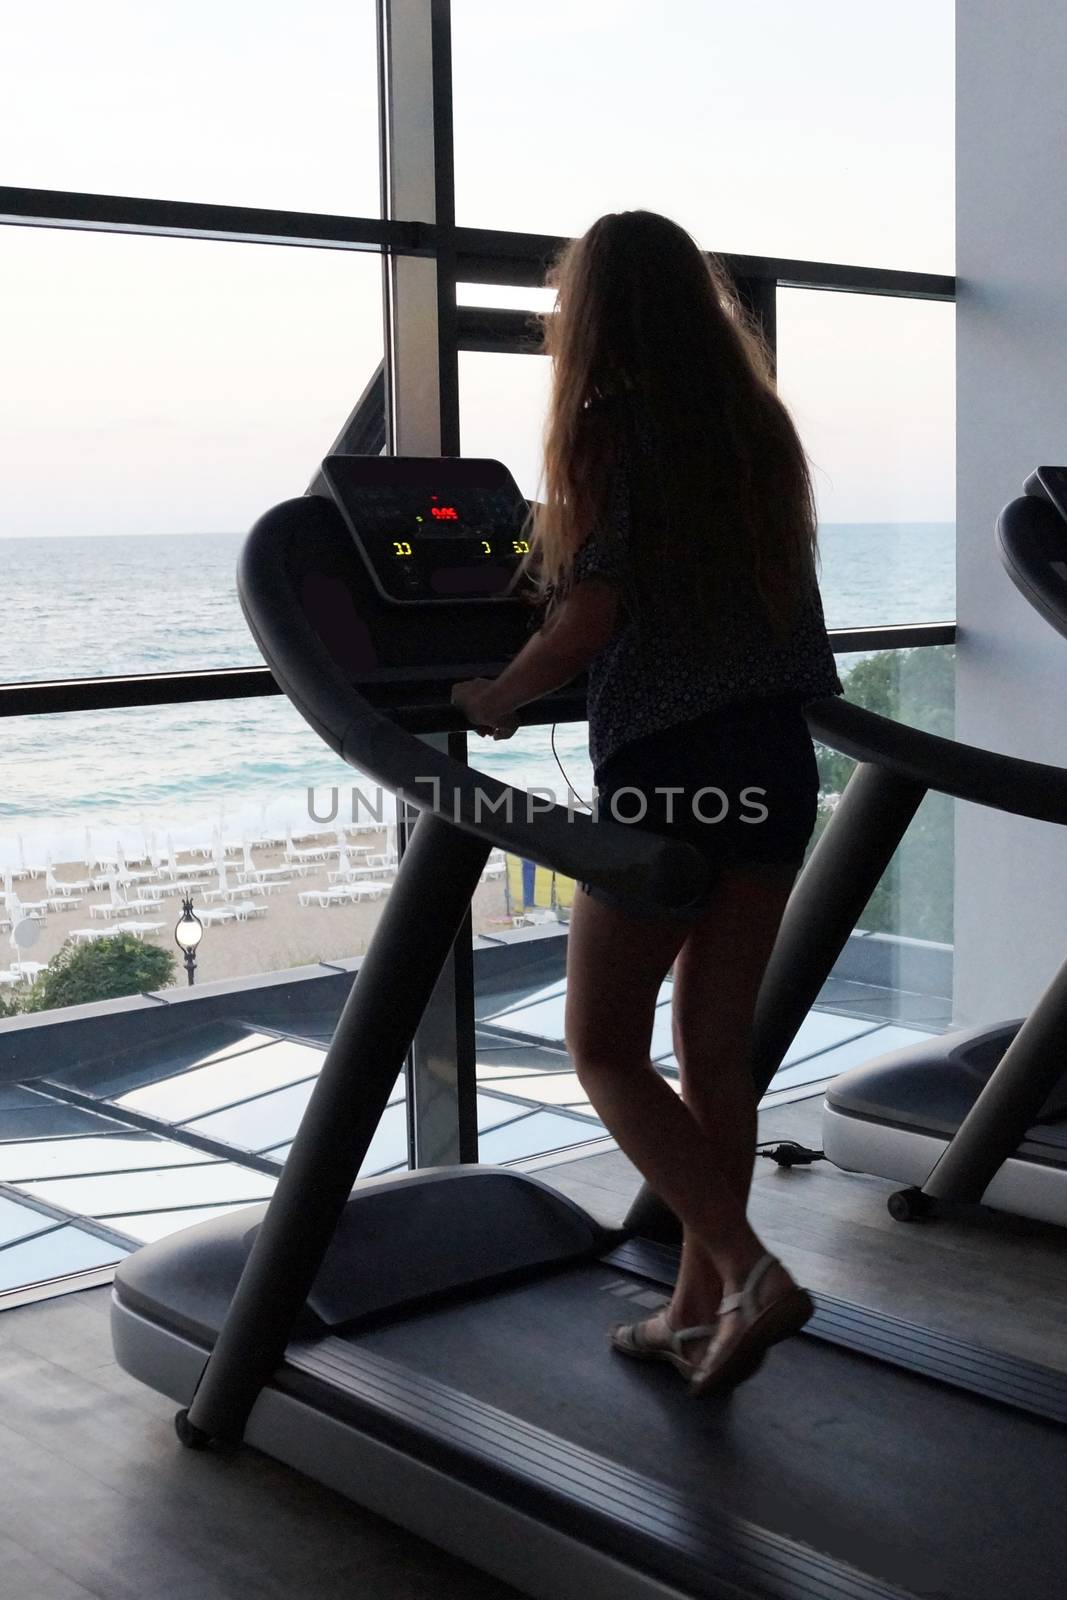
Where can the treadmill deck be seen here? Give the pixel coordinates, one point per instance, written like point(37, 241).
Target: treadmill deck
point(923, 1488)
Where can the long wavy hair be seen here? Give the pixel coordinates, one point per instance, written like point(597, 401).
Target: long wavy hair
point(644, 323)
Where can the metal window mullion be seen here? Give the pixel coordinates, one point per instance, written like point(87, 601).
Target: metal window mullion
point(422, 418)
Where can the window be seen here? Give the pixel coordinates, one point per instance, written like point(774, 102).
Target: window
point(870, 383)
point(159, 395)
point(111, 816)
point(272, 106)
point(820, 131)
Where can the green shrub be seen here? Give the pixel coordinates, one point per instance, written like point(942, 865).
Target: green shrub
point(915, 895)
point(105, 969)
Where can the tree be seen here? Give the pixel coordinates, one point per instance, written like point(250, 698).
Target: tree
point(105, 969)
point(914, 897)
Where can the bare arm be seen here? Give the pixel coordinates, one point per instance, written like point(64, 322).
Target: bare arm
point(572, 637)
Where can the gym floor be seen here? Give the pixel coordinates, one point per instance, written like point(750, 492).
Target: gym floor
point(100, 1502)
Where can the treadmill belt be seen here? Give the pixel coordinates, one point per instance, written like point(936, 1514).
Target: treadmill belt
point(925, 1488)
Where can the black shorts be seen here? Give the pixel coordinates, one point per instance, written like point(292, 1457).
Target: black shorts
point(740, 784)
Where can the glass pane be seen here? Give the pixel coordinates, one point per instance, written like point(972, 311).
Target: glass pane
point(189, 385)
point(905, 974)
point(822, 131)
point(193, 1093)
point(258, 1124)
point(502, 401)
point(151, 1225)
point(28, 1159)
point(144, 1191)
point(110, 816)
point(203, 103)
point(535, 1135)
point(19, 1222)
point(54, 1255)
point(870, 382)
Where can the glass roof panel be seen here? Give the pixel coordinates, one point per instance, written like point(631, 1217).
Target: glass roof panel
point(18, 1222)
point(546, 1088)
point(149, 1225)
point(389, 1147)
point(259, 1123)
point(535, 1135)
point(147, 1191)
point(492, 1111)
point(820, 1030)
point(220, 1083)
point(535, 997)
point(53, 1255)
point(851, 1053)
point(541, 1017)
point(110, 1076)
point(270, 1119)
point(63, 1158)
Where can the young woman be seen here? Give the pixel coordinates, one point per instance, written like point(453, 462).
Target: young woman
point(676, 542)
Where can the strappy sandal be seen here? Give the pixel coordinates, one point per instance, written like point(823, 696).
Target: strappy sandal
point(764, 1326)
point(631, 1339)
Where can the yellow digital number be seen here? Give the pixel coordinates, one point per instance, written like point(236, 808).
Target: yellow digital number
point(521, 547)
point(401, 547)
point(487, 547)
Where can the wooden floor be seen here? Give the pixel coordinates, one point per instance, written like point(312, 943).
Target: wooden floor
point(100, 1501)
point(994, 1280)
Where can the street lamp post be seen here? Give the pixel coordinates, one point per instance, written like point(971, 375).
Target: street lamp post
point(188, 934)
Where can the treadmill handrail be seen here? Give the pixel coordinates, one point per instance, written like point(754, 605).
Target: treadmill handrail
point(965, 771)
point(623, 858)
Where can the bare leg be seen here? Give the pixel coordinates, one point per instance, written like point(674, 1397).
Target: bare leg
point(615, 965)
point(716, 980)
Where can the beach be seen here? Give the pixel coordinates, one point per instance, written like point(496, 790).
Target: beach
point(286, 934)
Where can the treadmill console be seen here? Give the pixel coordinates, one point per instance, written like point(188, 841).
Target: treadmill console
point(1032, 539)
point(1051, 483)
point(430, 529)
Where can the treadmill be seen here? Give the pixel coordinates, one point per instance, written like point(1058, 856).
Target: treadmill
point(979, 1115)
point(433, 1344)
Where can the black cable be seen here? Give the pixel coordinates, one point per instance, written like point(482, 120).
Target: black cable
point(789, 1153)
point(570, 787)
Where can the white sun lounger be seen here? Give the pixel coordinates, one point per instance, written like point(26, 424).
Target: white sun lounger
point(249, 908)
point(345, 893)
point(57, 888)
point(210, 914)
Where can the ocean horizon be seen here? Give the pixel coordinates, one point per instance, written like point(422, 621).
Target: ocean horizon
point(79, 606)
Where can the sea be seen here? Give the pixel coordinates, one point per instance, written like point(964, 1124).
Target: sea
point(77, 784)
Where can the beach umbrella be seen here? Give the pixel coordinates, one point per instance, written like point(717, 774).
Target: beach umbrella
point(22, 854)
point(120, 856)
point(88, 847)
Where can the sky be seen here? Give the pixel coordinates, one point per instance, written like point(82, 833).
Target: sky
point(170, 386)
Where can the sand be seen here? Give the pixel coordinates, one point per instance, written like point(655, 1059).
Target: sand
point(288, 935)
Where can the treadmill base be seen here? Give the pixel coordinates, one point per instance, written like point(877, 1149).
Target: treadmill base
point(855, 1144)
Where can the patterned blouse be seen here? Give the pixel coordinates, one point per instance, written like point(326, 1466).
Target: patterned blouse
point(649, 678)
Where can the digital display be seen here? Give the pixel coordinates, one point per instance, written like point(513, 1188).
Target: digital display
point(433, 528)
